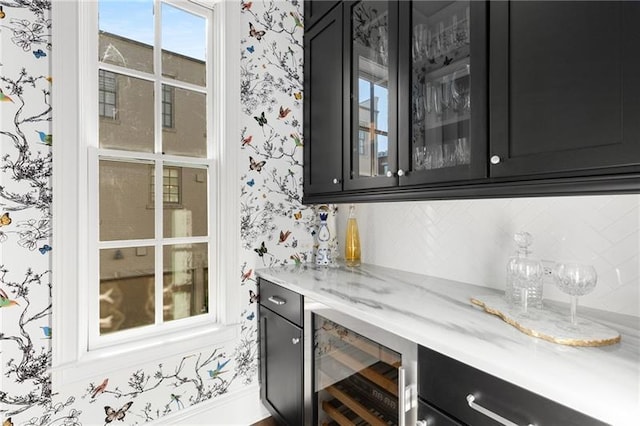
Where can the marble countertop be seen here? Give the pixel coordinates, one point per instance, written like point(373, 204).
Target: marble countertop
point(601, 382)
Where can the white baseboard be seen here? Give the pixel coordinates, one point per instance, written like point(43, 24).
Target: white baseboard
point(241, 408)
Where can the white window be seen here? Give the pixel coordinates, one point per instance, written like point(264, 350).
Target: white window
point(137, 216)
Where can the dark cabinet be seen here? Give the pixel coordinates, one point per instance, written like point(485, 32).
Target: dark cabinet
point(281, 353)
point(323, 99)
point(451, 390)
point(565, 93)
point(470, 99)
point(314, 10)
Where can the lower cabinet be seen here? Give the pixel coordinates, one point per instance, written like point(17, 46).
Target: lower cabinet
point(281, 359)
point(456, 393)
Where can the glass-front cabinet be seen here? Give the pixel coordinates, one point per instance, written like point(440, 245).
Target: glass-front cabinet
point(416, 93)
point(442, 92)
point(371, 105)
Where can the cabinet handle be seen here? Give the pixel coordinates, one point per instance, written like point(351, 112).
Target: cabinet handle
point(276, 300)
point(495, 159)
point(336, 181)
point(497, 417)
point(400, 172)
point(295, 340)
point(389, 173)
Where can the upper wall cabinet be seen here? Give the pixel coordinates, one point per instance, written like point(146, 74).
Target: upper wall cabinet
point(469, 99)
point(565, 92)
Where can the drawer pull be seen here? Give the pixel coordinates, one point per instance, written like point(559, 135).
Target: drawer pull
point(295, 340)
point(497, 417)
point(402, 400)
point(276, 300)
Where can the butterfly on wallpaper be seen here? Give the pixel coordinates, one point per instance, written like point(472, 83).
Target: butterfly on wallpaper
point(262, 120)
point(296, 259)
point(284, 236)
point(247, 140)
point(7, 422)
point(262, 250)
point(256, 165)
point(447, 60)
point(251, 182)
point(297, 95)
point(246, 275)
point(2, 15)
point(283, 112)
point(253, 297)
point(116, 414)
point(44, 249)
point(255, 33)
point(39, 54)
point(5, 219)
point(251, 49)
point(297, 215)
point(247, 5)
point(251, 316)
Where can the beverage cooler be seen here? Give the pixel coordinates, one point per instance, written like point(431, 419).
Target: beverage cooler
point(359, 374)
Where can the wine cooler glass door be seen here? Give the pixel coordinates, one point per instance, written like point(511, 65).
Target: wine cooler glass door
point(356, 379)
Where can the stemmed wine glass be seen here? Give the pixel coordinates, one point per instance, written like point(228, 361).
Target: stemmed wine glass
point(576, 280)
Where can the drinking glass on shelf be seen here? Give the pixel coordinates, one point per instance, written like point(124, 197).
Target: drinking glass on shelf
point(527, 276)
point(575, 279)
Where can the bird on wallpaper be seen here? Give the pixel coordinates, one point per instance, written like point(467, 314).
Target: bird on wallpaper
point(283, 112)
point(247, 140)
point(247, 275)
point(215, 373)
point(296, 139)
point(4, 98)
point(247, 5)
point(296, 259)
point(5, 301)
point(176, 398)
point(45, 138)
point(296, 19)
point(100, 388)
point(47, 331)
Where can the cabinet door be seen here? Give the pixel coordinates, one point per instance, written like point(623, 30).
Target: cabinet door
point(443, 91)
point(565, 92)
point(281, 361)
point(314, 10)
point(370, 102)
point(323, 106)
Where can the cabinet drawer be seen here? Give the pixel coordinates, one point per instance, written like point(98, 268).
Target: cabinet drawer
point(284, 302)
point(431, 416)
point(446, 383)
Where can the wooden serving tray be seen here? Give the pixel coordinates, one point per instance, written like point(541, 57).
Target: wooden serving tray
point(549, 324)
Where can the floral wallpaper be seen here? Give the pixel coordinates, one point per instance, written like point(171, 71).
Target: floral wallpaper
point(275, 227)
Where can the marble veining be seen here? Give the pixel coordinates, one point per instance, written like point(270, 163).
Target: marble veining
point(601, 382)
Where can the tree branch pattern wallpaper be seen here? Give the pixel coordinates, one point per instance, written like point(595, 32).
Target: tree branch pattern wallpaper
point(276, 228)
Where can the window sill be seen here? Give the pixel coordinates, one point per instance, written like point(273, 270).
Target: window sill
point(129, 355)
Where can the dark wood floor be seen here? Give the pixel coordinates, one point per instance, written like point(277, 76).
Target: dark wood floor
point(269, 421)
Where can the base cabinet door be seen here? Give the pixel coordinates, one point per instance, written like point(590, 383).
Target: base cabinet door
point(281, 368)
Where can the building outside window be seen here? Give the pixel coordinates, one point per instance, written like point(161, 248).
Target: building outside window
point(107, 95)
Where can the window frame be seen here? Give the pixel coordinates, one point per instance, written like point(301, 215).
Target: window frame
point(75, 118)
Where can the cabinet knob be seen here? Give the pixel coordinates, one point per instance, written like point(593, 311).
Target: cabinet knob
point(295, 340)
point(336, 181)
point(400, 172)
point(389, 173)
point(495, 159)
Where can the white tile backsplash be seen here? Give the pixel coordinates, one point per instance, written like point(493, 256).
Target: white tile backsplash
point(471, 240)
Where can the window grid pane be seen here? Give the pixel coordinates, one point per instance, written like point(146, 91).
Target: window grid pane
point(107, 91)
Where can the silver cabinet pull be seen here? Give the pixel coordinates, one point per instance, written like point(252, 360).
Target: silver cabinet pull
point(276, 300)
point(497, 417)
point(495, 159)
point(336, 181)
point(295, 340)
point(389, 173)
point(401, 172)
